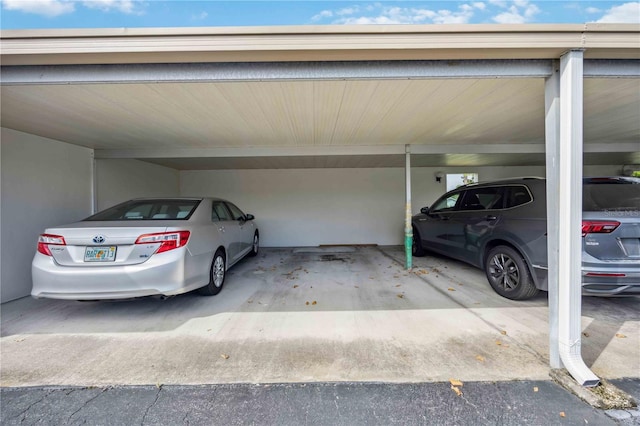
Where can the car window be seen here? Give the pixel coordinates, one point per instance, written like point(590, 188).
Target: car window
point(221, 211)
point(601, 195)
point(148, 210)
point(482, 198)
point(446, 203)
point(517, 195)
point(236, 213)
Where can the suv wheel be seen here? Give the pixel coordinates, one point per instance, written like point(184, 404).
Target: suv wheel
point(416, 246)
point(508, 274)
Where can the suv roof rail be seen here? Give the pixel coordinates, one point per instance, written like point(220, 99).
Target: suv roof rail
point(511, 179)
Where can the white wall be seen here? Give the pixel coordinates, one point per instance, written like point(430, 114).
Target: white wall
point(44, 183)
point(312, 207)
point(122, 180)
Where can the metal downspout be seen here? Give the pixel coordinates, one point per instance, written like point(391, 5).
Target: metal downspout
point(570, 218)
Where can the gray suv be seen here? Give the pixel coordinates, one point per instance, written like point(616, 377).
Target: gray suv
point(501, 228)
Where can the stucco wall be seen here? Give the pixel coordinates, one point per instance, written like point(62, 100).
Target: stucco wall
point(44, 183)
point(311, 207)
point(122, 180)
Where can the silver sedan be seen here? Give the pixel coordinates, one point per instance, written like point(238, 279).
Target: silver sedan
point(144, 247)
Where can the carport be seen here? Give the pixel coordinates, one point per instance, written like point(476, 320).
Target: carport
point(311, 128)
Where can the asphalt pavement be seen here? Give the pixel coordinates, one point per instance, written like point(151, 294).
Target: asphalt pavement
point(474, 403)
point(341, 336)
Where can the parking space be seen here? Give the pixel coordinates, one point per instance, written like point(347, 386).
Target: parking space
point(311, 314)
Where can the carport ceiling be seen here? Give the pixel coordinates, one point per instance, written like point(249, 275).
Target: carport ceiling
point(135, 118)
point(314, 114)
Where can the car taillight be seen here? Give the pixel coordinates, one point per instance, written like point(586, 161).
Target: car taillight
point(44, 240)
point(598, 227)
point(168, 240)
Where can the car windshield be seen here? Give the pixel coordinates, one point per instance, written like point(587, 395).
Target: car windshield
point(148, 210)
point(605, 194)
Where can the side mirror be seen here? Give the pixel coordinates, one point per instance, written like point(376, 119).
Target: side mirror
point(424, 210)
point(249, 216)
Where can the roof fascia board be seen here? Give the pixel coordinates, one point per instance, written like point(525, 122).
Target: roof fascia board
point(247, 44)
point(309, 30)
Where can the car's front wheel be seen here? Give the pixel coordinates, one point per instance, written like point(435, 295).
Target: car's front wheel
point(256, 245)
point(216, 275)
point(416, 246)
point(508, 274)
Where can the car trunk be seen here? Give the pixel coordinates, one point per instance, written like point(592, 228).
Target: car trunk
point(623, 243)
point(95, 244)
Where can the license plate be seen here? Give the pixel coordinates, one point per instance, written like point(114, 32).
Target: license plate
point(100, 254)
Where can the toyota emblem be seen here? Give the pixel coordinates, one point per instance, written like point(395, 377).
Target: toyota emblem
point(98, 239)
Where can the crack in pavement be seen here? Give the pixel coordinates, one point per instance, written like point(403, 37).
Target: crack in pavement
point(26, 410)
point(86, 402)
point(152, 404)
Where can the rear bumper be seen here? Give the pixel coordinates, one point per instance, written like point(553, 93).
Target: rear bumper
point(163, 274)
point(598, 281)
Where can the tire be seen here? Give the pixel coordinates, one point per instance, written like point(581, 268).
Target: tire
point(416, 247)
point(256, 245)
point(508, 274)
point(217, 275)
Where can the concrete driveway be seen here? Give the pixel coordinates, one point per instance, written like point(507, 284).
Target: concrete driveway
point(310, 315)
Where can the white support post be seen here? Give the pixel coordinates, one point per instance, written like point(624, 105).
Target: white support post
point(570, 219)
point(552, 149)
point(94, 184)
point(408, 230)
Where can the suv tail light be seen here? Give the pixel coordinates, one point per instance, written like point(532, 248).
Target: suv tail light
point(598, 227)
point(44, 240)
point(168, 240)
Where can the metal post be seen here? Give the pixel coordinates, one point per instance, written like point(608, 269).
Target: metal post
point(408, 230)
point(570, 218)
point(94, 184)
point(552, 148)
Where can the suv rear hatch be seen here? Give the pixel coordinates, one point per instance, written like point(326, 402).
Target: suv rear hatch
point(611, 218)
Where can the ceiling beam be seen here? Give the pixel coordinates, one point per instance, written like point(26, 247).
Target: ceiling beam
point(350, 150)
point(273, 71)
point(608, 68)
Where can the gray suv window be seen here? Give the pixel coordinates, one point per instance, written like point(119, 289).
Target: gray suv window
point(517, 195)
point(482, 198)
point(446, 203)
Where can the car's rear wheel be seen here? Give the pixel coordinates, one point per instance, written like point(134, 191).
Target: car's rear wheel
point(416, 246)
point(508, 274)
point(216, 275)
point(256, 245)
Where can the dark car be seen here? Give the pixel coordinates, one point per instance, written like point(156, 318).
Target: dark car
point(501, 228)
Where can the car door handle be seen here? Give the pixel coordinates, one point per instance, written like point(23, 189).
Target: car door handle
point(444, 217)
point(490, 217)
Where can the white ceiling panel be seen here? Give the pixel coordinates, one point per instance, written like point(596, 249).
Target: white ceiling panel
point(315, 113)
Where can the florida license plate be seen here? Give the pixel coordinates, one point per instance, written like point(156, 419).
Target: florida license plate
point(100, 254)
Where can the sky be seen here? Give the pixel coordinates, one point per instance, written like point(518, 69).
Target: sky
point(40, 14)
